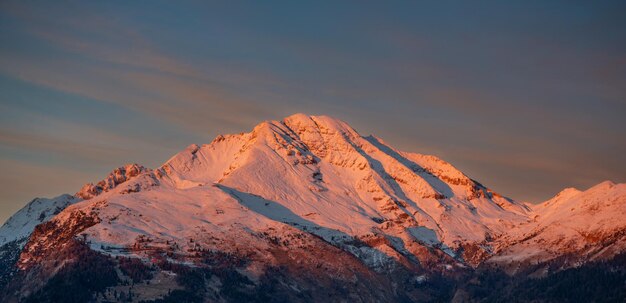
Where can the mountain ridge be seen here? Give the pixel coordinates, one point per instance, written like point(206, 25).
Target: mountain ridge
point(251, 195)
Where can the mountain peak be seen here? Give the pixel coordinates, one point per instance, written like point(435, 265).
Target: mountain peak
point(604, 185)
point(298, 118)
point(321, 165)
point(321, 123)
point(312, 190)
point(567, 193)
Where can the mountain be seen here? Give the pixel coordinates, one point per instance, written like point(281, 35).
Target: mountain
point(303, 209)
point(574, 225)
point(39, 210)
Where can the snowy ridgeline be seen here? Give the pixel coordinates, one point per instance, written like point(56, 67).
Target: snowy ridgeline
point(317, 175)
point(37, 211)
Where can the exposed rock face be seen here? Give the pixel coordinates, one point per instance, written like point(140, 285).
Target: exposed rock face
point(52, 235)
point(115, 178)
point(304, 208)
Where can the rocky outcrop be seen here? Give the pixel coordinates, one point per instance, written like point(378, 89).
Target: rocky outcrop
point(115, 178)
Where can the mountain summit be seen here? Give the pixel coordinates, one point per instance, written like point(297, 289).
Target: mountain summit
point(302, 209)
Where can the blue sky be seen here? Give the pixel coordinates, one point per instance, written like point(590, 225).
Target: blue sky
point(527, 97)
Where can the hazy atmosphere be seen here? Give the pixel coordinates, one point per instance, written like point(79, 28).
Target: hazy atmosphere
point(526, 98)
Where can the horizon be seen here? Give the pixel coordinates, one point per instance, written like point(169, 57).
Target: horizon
point(527, 99)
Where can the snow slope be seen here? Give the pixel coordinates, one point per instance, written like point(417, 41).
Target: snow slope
point(321, 167)
point(317, 175)
point(585, 225)
point(39, 210)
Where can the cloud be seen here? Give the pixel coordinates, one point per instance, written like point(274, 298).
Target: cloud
point(517, 102)
point(79, 143)
point(120, 66)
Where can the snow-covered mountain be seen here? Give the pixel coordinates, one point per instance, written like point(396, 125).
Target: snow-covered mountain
point(37, 211)
point(296, 205)
point(582, 226)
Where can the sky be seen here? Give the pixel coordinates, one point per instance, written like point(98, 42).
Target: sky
point(528, 97)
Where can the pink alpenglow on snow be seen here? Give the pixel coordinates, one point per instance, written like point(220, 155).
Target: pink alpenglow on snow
point(311, 194)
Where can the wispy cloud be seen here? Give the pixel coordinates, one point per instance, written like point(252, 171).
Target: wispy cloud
point(71, 140)
point(543, 102)
point(121, 66)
